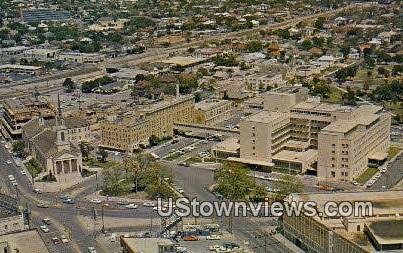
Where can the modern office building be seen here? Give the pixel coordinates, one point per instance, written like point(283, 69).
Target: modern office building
point(379, 231)
point(127, 133)
point(304, 134)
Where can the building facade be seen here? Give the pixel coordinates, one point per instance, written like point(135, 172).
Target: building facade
point(129, 133)
point(213, 111)
point(18, 112)
point(339, 141)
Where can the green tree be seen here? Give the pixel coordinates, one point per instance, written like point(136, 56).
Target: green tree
point(286, 185)
point(19, 149)
point(69, 85)
point(319, 22)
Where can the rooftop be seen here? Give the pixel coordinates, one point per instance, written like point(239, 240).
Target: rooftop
point(266, 117)
point(294, 156)
point(26, 241)
point(146, 245)
point(210, 104)
point(387, 231)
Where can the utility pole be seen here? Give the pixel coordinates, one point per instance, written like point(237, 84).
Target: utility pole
point(103, 223)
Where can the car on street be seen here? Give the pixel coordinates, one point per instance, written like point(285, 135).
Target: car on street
point(123, 203)
point(214, 247)
point(213, 237)
point(44, 229)
point(184, 164)
point(14, 183)
point(47, 221)
point(23, 172)
point(55, 240)
point(42, 205)
point(131, 206)
point(37, 191)
point(96, 201)
point(91, 250)
point(64, 239)
point(149, 204)
point(191, 238)
point(11, 178)
point(68, 201)
point(9, 162)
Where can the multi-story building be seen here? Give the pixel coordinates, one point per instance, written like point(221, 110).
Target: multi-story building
point(129, 133)
point(261, 135)
point(17, 112)
point(371, 222)
point(80, 57)
point(261, 81)
point(11, 219)
point(335, 141)
point(212, 111)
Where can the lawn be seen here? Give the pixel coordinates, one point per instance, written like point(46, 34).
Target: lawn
point(364, 177)
point(335, 95)
point(96, 164)
point(199, 160)
point(173, 156)
point(393, 151)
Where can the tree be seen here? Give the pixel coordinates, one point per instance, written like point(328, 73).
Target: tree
point(19, 149)
point(286, 185)
point(383, 71)
point(319, 22)
point(306, 45)
point(254, 46)
point(153, 140)
point(234, 183)
point(136, 165)
point(349, 98)
point(397, 69)
point(85, 149)
point(69, 85)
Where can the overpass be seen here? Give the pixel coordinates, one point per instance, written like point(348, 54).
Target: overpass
point(200, 128)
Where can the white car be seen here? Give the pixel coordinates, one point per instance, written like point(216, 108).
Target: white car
point(23, 172)
point(213, 237)
point(64, 239)
point(96, 201)
point(149, 204)
point(131, 206)
point(14, 183)
point(9, 162)
point(11, 177)
point(44, 229)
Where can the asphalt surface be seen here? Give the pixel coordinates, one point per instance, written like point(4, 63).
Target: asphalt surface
point(391, 177)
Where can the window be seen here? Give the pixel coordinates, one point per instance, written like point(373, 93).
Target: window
point(333, 174)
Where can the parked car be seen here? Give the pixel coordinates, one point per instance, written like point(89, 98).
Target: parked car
point(213, 237)
point(55, 240)
point(47, 221)
point(44, 229)
point(191, 238)
point(68, 201)
point(149, 204)
point(91, 250)
point(96, 201)
point(131, 206)
point(37, 191)
point(42, 205)
point(64, 239)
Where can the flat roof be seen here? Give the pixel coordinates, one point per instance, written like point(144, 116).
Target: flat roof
point(210, 104)
point(146, 245)
point(26, 241)
point(296, 157)
point(266, 117)
point(384, 202)
point(344, 126)
point(387, 231)
point(230, 144)
point(320, 106)
point(184, 60)
point(251, 161)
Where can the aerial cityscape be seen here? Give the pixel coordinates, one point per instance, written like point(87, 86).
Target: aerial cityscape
point(141, 126)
